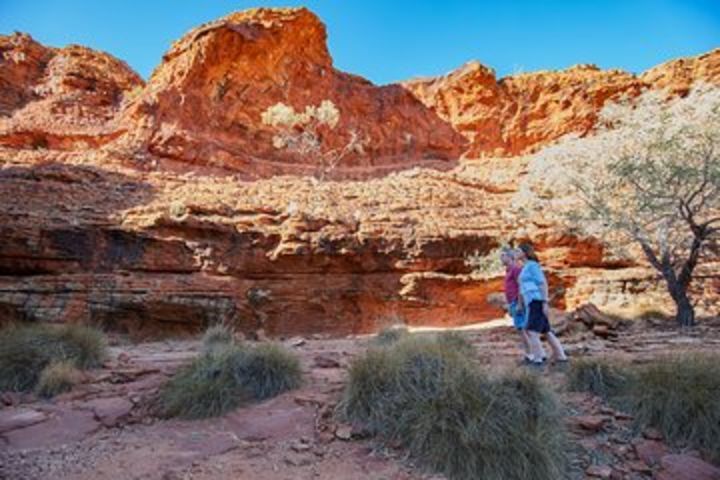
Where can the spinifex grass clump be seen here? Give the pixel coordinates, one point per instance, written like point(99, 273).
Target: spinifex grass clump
point(457, 340)
point(56, 378)
point(225, 377)
point(679, 395)
point(601, 377)
point(390, 335)
point(25, 350)
point(424, 394)
point(217, 336)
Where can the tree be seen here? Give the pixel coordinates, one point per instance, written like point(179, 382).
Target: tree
point(302, 132)
point(659, 187)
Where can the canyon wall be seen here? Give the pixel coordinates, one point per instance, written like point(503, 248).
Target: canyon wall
point(161, 207)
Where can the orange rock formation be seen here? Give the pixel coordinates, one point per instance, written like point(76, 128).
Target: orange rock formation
point(164, 206)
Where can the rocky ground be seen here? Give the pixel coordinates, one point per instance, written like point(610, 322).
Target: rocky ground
point(105, 427)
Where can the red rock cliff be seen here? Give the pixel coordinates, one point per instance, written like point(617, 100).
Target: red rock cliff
point(59, 98)
point(522, 113)
point(203, 104)
point(108, 214)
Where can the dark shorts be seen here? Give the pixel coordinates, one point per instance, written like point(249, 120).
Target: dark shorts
point(537, 321)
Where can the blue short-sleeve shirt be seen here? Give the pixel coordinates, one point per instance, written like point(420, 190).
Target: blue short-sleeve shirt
point(531, 280)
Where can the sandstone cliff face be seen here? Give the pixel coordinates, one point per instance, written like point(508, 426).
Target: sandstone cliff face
point(65, 98)
point(522, 113)
point(111, 213)
point(203, 104)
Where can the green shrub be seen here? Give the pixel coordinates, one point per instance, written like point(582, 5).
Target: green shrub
point(599, 376)
point(223, 379)
point(85, 346)
point(217, 336)
point(680, 396)
point(56, 378)
point(425, 395)
point(267, 370)
point(456, 340)
point(25, 350)
point(390, 335)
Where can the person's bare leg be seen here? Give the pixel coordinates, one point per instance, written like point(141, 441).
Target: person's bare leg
point(536, 350)
point(557, 348)
point(525, 342)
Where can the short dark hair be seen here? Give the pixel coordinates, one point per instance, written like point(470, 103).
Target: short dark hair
point(529, 251)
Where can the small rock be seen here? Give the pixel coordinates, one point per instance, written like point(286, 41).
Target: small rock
point(297, 460)
point(325, 361)
point(639, 466)
point(123, 357)
point(297, 342)
point(601, 330)
point(599, 471)
point(10, 398)
point(650, 451)
point(623, 416)
point(344, 432)
point(111, 411)
point(300, 446)
point(652, 434)
point(593, 423)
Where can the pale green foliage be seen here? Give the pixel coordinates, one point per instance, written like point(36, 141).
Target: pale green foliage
point(300, 132)
point(649, 178)
point(281, 115)
point(486, 265)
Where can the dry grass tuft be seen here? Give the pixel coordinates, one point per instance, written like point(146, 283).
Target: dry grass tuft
point(56, 378)
point(425, 394)
point(26, 349)
point(227, 376)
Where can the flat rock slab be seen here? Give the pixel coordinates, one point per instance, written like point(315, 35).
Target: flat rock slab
point(60, 427)
point(109, 411)
point(686, 467)
point(14, 418)
point(279, 419)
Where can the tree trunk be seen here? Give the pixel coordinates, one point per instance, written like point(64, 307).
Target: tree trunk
point(685, 315)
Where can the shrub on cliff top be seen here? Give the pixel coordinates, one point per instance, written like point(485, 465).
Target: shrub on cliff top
point(225, 377)
point(423, 394)
point(25, 350)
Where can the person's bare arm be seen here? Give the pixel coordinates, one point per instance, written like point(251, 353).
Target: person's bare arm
point(520, 302)
point(546, 295)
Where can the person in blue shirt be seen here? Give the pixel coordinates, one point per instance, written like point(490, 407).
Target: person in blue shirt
point(534, 299)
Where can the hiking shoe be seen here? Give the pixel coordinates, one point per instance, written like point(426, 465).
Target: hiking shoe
point(536, 366)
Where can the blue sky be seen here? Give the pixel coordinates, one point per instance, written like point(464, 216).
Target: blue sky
point(391, 40)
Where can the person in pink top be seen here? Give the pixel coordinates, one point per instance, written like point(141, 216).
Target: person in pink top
point(512, 294)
